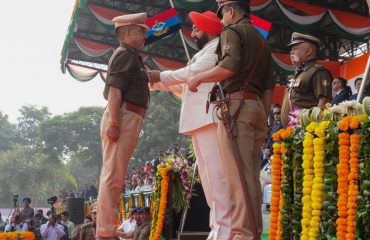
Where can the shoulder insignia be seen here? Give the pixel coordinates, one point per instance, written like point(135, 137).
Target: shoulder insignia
point(325, 82)
point(227, 46)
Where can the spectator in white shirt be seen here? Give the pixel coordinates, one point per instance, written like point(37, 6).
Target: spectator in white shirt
point(51, 230)
point(130, 224)
point(16, 224)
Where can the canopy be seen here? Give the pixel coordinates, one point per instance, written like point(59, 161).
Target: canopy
point(90, 39)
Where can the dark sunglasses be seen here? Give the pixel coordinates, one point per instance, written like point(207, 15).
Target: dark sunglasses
point(276, 113)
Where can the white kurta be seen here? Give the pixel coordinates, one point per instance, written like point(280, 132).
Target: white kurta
point(202, 127)
point(193, 103)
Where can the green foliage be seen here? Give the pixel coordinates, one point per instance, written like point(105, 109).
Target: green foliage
point(8, 133)
point(160, 130)
point(26, 172)
point(28, 122)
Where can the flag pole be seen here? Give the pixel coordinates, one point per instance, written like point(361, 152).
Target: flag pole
point(182, 37)
point(365, 80)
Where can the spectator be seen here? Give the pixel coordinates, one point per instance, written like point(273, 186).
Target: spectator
point(129, 225)
point(88, 219)
point(2, 224)
point(93, 191)
point(276, 126)
point(70, 225)
point(52, 230)
point(39, 218)
point(87, 231)
point(148, 168)
point(140, 185)
point(358, 83)
point(86, 193)
point(16, 224)
point(343, 92)
point(142, 231)
point(27, 211)
point(65, 228)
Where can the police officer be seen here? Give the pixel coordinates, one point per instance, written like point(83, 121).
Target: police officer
point(311, 84)
point(246, 76)
point(128, 96)
point(87, 231)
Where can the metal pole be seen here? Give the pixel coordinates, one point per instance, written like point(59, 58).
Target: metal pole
point(169, 205)
point(185, 213)
point(365, 80)
point(182, 37)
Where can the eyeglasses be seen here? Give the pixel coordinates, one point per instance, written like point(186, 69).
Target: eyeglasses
point(276, 113)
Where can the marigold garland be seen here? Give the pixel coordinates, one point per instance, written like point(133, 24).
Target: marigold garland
point(287, 192)
point(343, 171)
point(318, 181)
point(159, 209)
point(307, 165)
point(353, 189)
point(276, 185)
point(24, 235)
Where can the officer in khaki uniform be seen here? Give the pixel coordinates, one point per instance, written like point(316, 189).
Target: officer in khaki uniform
point(244, 56)
point(142, 230)
point(128, 96)
point(311, 84)
point(87, 231)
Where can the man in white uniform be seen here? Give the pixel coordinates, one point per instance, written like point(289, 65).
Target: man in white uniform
point(202, 126)
point(130, 224)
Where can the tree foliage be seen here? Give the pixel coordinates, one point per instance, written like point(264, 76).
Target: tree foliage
point(27, 173)
point(8, 133)
point(160, 130)
point(41, 154)
point(28, 122)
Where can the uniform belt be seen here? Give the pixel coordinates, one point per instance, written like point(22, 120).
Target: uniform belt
point(135, 109)
point(242, 95)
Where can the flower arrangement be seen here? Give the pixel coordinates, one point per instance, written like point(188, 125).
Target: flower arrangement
point(181, 190)
point(323, 162)
point(160, 202)
point(18, 235)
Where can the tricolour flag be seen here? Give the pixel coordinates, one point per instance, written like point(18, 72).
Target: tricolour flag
point(261, 25)
point(162, 25)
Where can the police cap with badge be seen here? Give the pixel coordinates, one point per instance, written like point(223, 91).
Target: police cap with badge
point(145, 210)
point(298, 38)
point(131, 19)
point(222, 3)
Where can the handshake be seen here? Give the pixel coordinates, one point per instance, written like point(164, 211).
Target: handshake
point(154, 76)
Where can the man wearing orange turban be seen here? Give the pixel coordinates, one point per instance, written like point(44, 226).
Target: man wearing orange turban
point(199, 124)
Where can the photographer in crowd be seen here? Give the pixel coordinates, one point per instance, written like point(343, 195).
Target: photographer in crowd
point(52, 230)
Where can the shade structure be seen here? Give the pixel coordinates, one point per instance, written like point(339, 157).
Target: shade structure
point(90, 38)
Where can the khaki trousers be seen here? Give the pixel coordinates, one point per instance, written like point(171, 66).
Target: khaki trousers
point(251, 127)
point(212, 175)
point(116, 157)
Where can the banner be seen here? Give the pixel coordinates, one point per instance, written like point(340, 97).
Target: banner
point(261, 25)
point(162, 25)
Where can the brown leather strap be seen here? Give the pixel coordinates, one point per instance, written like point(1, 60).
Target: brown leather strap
point(253, 69)
point(135, 108)
point(242, 95)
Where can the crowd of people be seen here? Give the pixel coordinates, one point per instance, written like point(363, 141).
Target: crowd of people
point(52, 227)
point(59, 227)
point(89, 192)
point(141, 179)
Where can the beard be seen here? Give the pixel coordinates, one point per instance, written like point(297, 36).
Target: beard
point(200, 42)
point(294, 58)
